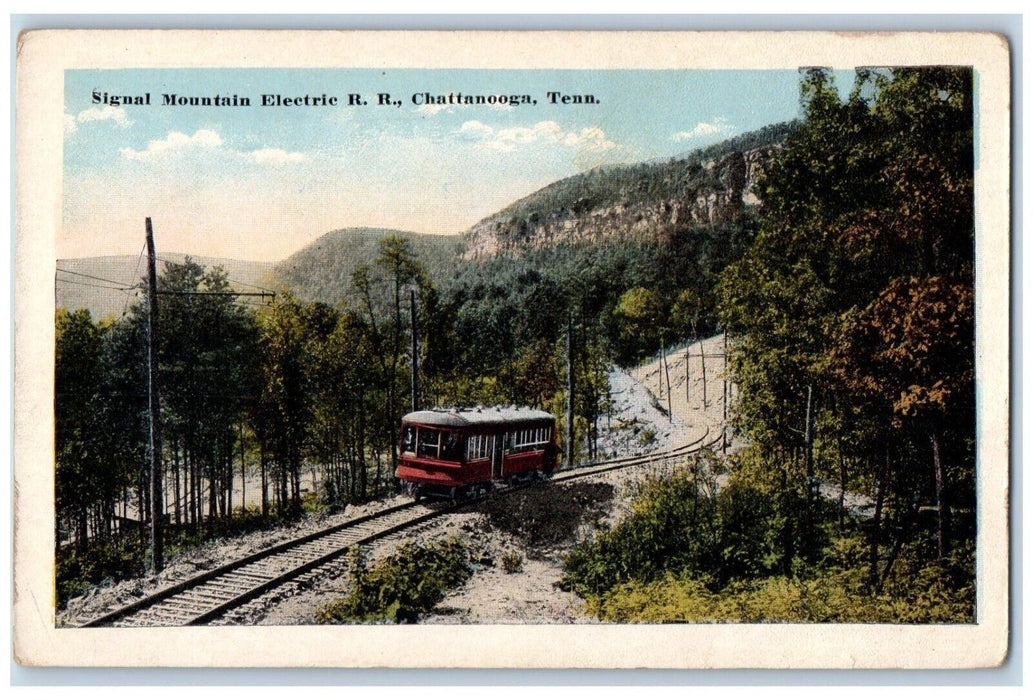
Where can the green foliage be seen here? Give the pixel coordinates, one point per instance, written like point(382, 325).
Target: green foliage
point(857, 292)
point(401, 587)
point(77, 569)
point(679, 523)
point(512, 562)
point(931, 594)
point(686, 554)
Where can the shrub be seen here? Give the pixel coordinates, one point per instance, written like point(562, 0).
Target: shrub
point(401, 587)
point(78, 570)
point(674, 525)
point(512, 562)
point(828, 597)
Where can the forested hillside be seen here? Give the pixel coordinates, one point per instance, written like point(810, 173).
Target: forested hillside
point(323, 270)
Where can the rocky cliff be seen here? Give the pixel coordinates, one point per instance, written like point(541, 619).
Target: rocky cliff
point(652, 201)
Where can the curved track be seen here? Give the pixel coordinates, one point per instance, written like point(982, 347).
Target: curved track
point(204, 598)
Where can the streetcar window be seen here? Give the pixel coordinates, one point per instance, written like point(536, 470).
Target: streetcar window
point(477, 447)
point(428, 443)
point(409, 440)
point(451, 447)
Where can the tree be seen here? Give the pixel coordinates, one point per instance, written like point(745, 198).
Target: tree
point(854, 299)
point(638, 314)
point(206, 356)
point(81, 479)
point(286, 396)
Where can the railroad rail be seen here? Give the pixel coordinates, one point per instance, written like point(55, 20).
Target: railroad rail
point(206, 597)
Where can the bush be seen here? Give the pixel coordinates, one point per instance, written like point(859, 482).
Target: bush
point(832, 596)
point(78, 570)
point(679, 523)
point(403, 586)
point(512, 562)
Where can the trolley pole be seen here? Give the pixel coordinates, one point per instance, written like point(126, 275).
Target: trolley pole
point(157, 562)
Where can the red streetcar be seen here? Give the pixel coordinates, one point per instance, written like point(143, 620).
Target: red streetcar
point(457, 453)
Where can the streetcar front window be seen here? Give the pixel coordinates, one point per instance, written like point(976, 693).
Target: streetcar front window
point(429, 443)
point(409, 440)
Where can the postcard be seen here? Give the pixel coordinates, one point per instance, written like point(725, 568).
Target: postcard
point(512, 349)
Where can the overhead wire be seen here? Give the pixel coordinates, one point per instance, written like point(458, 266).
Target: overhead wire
point(139, 259)
point(228, 279)
point(97, 286)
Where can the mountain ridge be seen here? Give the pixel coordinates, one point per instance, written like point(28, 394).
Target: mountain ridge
point(655, 200)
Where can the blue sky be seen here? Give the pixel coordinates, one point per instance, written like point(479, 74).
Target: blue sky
point(259, 182)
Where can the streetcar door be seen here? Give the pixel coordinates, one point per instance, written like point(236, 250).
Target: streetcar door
point(496, 456)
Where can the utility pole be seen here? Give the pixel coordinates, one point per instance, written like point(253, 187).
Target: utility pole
point(808, 441)
point(687, 374)
point(570, 392)
point(157, 562)
point(667, 373)
point(703, 367)
point(724, 392)
point(415, 352)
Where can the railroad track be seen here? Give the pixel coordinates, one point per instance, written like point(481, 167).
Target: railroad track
point(206, 597)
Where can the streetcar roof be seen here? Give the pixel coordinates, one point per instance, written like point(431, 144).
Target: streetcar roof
point(462, 417)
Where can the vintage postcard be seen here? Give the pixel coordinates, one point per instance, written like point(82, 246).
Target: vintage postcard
point(512, 349)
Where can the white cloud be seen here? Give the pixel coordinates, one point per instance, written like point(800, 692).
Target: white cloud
point(176, 143)
point(208, 142)
point(275, 156)
point(509, 139)
point(476, 129)
point(431, 110)
point(105, 113)
point(702, 130)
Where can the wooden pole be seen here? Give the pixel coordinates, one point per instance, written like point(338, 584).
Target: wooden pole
point(243, 474)
point(724, 393)
point(570, 393)
point(415, 352)
point(670, 389)
point(157, 562)
point(687, 375)
point(808, 439)
point(703, 363)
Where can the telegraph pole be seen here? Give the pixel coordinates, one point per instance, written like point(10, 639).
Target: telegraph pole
point(415, 352)
point(724, 392)
point(570, 391)
point(157, 562)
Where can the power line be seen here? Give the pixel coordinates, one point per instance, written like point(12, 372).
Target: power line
point(94, 277)
point(248, 284)
point(219, 294)
point(228, 279)
point(97, 286)
point(143, 248)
